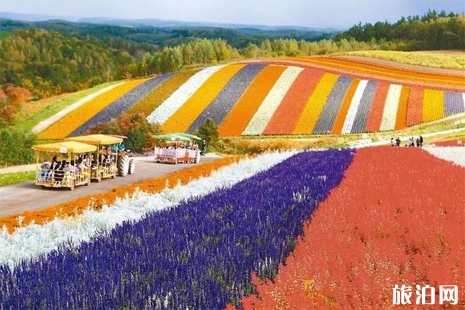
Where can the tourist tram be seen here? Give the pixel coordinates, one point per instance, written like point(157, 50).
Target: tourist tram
point(59, 166)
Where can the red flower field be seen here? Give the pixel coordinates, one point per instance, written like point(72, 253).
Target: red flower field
point(397, 217)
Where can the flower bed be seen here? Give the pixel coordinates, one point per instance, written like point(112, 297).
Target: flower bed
point(361, 115)
point(174, 102)
point(228, 96)
point(375, 115)
point(288, 112)
point(153, 100)
point(390, 107)
point(391, 221)
point(341, 115)
point(354, 103)
point(120, 105)
point(399, 75)
point(271, 102)
point(433, 105)
point(95, 202)
point(328, 115)
point(197, 255)
point(202, 97)
point(239, 116)
point(315, 103)
point(67, 124)
point(415, 106)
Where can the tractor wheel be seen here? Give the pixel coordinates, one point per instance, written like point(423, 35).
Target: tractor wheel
point(123, 165)
point(132, 166)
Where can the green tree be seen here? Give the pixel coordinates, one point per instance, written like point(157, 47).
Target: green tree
point(135, 127)
point(208, 131)
point(15, 147)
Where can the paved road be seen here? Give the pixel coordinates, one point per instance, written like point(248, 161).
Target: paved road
point(28, 197)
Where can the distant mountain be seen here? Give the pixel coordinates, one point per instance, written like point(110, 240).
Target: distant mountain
point(155, 23)
point(185, 24)
point(34, 17)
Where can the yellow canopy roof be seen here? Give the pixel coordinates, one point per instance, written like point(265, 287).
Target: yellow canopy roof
point(97, 139)
point(65, 147)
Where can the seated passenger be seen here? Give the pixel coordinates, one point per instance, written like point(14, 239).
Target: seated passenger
point(45, 169)
point(60, 171)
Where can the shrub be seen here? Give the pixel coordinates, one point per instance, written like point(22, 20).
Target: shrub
point(15, 147)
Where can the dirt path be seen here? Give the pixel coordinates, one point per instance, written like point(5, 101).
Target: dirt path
point(28, 197)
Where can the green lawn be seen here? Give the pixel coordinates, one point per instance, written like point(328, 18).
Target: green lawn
point(16, 177)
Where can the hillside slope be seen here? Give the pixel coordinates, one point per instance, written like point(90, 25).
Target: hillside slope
point(291, 96)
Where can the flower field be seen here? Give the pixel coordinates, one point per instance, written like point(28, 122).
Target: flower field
point(304, 219)
point(390, 221)
point(143, 251)
point(292, 96)
point(70, 122)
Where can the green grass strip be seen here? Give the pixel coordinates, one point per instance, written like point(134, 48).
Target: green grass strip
point(16, 177)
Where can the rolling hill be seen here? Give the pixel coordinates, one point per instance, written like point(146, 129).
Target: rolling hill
point(288, 96)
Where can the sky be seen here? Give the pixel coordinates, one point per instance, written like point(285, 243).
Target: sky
point(339, 14)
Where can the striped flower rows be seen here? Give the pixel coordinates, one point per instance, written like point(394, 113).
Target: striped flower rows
point(315, 103)
point(120, 105)
point(239, 116)
point(196, 104)
point(179, 97)
point(302, 96)
point(294, 102)
point(199, 255)
point(153, 100)
point(286, 99)
point(34, 240)
point(329, 112)
point(70, 122)
point(47, 122)
point(230, 94)
point(271, 102)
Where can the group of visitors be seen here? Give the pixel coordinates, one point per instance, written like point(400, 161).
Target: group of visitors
point(409, 143)
point(56, 169)
point(50, 168)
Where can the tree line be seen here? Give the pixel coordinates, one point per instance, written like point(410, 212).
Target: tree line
point(49, 62)
point(432, 31)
